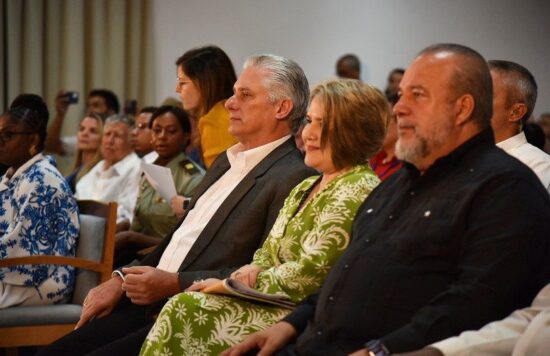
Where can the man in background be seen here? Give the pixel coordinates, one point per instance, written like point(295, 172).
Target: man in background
point(514, 98)
point(348, 66)
point(101, 101)
point(141, 137)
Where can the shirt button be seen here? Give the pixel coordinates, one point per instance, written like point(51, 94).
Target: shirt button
point(331, 298)
point(319, 333)
point(369, 211)
point(412, 193)
point(367, 240)
point(471, 170)
point(346, 266)
point(390, 217)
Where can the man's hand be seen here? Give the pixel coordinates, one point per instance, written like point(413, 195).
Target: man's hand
point(247, 274)
point(268, 340)
point(145, 285)
point(362, 352)
point(427, 351)
point(101, 300)
point(176, 203)
point(198, 286)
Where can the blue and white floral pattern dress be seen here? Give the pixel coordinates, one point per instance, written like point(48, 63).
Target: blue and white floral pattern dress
point(38, 216)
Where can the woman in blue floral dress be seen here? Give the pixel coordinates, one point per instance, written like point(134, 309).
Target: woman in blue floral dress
point(346, 123)
point(38, 214)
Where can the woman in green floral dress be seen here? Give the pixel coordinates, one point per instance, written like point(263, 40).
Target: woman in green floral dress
point(346, 123)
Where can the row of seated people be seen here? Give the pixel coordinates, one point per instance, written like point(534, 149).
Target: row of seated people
point(410, 286)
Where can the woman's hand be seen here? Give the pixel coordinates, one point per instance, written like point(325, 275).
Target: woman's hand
point(247, 274)
point(200, 285)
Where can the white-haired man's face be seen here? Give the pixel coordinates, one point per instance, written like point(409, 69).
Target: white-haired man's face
point(253, 116)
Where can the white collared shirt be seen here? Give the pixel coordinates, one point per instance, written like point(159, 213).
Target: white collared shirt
point(242, 162)
point(530, 155)
point(118, 183)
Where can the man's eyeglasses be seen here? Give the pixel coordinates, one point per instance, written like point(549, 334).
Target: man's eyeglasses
point(6, 135)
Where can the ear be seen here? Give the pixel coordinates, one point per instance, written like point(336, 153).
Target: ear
point(516, 112)
point(284, 108)
point(35, 140)
point(464, 108)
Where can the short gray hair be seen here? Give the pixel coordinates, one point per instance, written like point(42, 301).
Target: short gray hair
point(116, 118)
point(520, 84)
point(286, 80)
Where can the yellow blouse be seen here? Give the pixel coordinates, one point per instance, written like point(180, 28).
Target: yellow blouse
point(214, 133)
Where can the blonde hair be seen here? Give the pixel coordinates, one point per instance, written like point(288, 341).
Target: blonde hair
point(97, 156)
point(356, 116)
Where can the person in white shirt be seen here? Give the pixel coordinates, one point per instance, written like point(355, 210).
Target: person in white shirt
point(524, 332)
point(116, 177)
point(230, 214)
point(514, 98)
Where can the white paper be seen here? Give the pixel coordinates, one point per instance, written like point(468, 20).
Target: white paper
point(160, 179)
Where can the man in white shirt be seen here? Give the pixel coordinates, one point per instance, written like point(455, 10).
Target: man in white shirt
point(524, 332)
point(514, 98)
point(229, 216)
point(116, 177)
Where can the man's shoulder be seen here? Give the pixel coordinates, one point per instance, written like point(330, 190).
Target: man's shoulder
point(529, 153)
point(515, 163)
point(285, 161)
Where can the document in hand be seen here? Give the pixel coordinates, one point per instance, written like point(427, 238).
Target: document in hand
point(235, 288)
point(160, 179)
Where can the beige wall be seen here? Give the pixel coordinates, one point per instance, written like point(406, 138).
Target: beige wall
point(384, 33)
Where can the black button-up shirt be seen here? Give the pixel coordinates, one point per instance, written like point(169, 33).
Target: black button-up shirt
point(431, 255)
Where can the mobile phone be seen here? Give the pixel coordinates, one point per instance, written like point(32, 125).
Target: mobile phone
point(72, 97)
point(130, 107)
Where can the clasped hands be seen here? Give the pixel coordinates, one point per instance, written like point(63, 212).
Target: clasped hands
point(143, 285)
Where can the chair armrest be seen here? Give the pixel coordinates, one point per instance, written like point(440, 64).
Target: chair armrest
point(52, 260)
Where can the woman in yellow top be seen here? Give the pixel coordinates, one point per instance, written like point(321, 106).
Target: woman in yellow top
point(205, 80)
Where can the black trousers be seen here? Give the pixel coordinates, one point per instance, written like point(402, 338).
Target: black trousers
point(120, 333)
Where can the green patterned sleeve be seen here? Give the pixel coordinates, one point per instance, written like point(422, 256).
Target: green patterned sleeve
point(317, 237)
point(265, 256)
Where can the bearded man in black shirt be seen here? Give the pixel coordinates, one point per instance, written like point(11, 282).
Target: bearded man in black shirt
point(457, 238)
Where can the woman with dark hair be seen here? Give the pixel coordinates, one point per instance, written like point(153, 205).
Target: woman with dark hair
point(205, 80)
point(38, 214)
point(88, 144)
point(153, 217)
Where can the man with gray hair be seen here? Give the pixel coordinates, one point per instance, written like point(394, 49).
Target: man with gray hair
point(116, 177)
point(456, 238)
point(514, 98)
point(229, 216)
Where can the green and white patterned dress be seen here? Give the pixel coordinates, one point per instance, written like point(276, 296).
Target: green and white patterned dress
point(296, 256)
